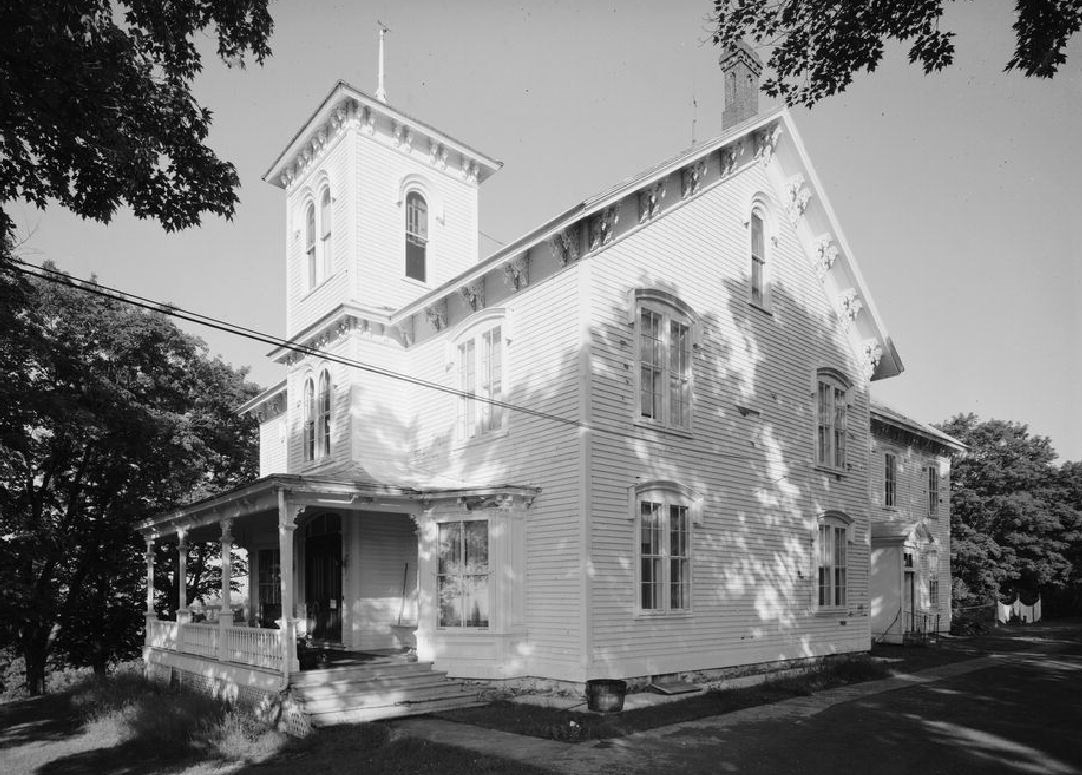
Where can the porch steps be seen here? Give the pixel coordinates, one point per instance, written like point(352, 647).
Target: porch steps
point(378, 690)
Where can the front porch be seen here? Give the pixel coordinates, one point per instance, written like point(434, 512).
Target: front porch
point(340, 567)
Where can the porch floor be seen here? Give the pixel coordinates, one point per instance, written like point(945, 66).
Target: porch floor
point(328, 656)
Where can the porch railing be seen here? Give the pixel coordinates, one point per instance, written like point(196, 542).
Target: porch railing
point(253, 646)
point(247, 645)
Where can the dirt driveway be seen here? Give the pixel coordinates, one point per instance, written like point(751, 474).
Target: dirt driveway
point(1017, 710)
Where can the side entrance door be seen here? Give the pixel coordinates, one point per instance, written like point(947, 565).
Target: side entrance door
point(323, 576)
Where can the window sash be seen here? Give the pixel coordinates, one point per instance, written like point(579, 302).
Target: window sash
point(832, 577)
point(933, 490)
point(758, 258)
point(309, 420)
point(664, 556)
point(324, 446)
point(832, 425)
point(310, 243)
point(664, 369)
point(890, 480)
point(480, 368)
point(416, 235)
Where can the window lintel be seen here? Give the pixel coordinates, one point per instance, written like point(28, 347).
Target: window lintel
point(657, 296)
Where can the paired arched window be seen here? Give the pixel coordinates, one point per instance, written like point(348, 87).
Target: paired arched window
point(832, 550)
point(317, 417)
point(317, 240)
point(758, 258)
point(832, 403)
point(481, 360)
point(665, 513)
point(416, 235)
point(663, 348)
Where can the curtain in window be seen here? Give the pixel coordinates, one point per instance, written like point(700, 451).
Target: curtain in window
point(463, 574)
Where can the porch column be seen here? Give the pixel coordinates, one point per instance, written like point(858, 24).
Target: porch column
point(182, 577)
point(150, 583)
point(287, 625)
point(225, 619)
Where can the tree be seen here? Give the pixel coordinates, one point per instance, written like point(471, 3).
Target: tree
point(107, 413)
point(96, 109)
point(1013, 525)
point(820, 44)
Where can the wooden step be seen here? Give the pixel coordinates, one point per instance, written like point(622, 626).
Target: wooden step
point(415, 697)
point(358, 715)
point(359, 672)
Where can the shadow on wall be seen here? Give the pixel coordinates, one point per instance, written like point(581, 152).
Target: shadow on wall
point(750, 457)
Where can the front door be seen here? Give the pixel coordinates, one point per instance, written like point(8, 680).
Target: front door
point(908, 610)
point(323, 576)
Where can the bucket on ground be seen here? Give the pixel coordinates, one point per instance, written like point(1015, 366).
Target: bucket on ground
point(605, 695)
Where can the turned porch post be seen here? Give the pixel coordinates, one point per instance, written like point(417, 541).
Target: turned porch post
point(182, 577)
point(287, 625)
point(225, 618)
point(150, 583)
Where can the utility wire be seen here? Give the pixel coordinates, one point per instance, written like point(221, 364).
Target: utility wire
point(108, 292)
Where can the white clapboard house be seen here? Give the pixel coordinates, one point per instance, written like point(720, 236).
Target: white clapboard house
point(635, 442)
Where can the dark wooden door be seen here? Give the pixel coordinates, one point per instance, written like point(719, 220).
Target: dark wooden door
point(323, 577)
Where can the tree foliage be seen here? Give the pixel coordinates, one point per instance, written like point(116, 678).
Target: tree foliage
point(1015, 521)
point(819, 45)
point(107, 413)
point(96, 109)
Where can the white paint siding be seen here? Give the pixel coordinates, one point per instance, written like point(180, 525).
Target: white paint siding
point(753, 577)
point(381, 563)
point(272, 446)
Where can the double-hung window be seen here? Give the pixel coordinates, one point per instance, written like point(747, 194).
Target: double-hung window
point(462, 574)
point(833, 563)
point(831, 400)
point(664, 548)
point(310, 245)
point(890, 479)
point(933, 490)
point(758, 260)
point(664, 361)
point(325, 235)
point(323, 441)
point(481, 374)
point(932, 559)
point(416, 235)
point(309, 421)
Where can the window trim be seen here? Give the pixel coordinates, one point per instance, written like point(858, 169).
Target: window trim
point(838, 383)
point(838, 523)
point(475, 330)
point(666, 494)
point(672, 310)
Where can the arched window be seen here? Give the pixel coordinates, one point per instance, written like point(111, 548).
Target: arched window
point(416, 235)
point(324, 436)
point(481, 362)
point(310, 244)
point(832, 551)
point(665, 513)
point(325, 235)
point(832, 400)
point(309, 420)
point(663, 338)
point(758, 259)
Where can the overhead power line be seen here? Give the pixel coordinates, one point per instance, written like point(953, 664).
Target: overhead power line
point(98, 289)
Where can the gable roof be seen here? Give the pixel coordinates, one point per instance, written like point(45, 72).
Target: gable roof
point(820, 222)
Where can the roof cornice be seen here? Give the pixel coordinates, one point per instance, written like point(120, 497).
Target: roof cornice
point(345, 104)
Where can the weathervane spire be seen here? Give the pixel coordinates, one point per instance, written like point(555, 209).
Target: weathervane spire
point(381, 93)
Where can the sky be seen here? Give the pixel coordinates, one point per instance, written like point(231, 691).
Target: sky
point(958, 192)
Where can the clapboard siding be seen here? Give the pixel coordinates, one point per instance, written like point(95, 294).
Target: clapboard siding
point(383, 554)
point(753, 595)
point(272, 446)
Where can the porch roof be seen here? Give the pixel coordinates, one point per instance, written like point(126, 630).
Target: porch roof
point(262, 496)
point(901, 532)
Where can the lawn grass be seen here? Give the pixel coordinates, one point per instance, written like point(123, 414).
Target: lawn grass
point(576, 726)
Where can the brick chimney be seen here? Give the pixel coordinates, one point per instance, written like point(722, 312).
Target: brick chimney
point(740, 67)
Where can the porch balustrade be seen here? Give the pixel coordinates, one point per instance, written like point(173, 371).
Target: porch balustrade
point(252, 646)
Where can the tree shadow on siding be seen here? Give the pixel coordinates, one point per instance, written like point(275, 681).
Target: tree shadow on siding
point(750, 456)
